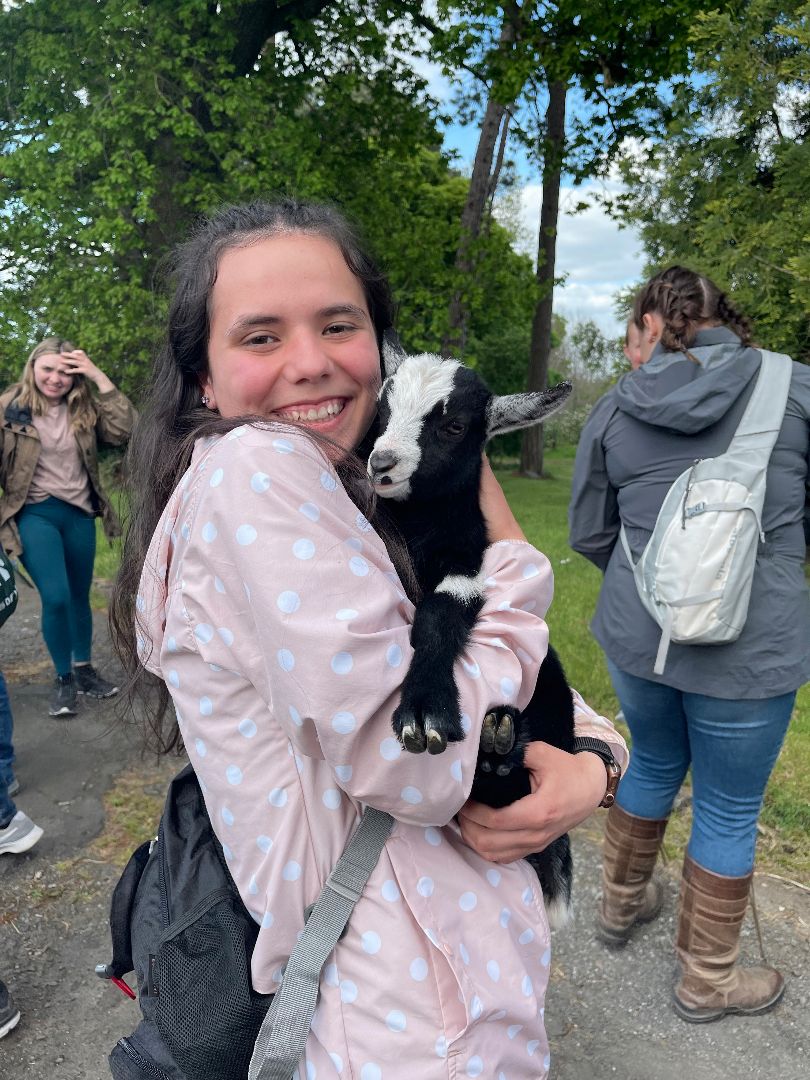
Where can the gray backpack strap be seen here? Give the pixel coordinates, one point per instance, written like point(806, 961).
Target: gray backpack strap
point(765, 410)
point(285, 1029)
point(626, 546)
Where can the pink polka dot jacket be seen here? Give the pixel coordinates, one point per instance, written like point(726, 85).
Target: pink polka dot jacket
point(271, 609)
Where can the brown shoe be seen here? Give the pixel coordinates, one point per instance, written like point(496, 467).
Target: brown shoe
point(712, 909)
point(630, 894)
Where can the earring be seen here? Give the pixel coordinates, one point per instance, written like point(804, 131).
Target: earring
point(204, 400)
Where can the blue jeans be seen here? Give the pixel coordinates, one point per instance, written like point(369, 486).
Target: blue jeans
point(7, 807)
point(731, 746)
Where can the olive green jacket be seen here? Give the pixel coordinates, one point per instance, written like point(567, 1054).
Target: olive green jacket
point(19, 454)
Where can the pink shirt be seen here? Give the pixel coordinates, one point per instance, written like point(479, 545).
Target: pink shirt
point(271, 609)
point(60, 470)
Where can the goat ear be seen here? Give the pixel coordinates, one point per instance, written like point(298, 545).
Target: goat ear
point(515, 411)
point(392, 352)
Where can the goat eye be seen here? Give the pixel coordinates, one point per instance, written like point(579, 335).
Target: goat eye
point(455, 427)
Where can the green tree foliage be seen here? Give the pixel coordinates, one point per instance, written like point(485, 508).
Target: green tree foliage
point(576, 78)
point(592, 356)
point(728, 190)
point(121, 122)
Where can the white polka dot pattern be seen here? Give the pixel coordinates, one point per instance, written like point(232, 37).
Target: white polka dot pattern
point(342, 663)
point(331, 798)
point(396, 1021)
point(418, 969)
point(390, 748)
point(246, 535)
point(289, 602)
point(303, 549)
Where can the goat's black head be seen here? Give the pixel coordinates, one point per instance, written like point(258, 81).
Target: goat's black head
point(435, 418)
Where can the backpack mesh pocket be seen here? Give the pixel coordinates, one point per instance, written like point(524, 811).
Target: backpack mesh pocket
point(209, 1027)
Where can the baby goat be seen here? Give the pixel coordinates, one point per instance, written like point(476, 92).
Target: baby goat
point(435, 417)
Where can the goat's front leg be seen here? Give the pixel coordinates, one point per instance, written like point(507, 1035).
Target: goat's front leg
point(428, 715)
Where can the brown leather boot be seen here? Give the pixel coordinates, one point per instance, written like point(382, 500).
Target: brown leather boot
point(630, 894)
point(712, 909)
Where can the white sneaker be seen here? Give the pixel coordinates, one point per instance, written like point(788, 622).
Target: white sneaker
point(9, 1013)
point(19, 835)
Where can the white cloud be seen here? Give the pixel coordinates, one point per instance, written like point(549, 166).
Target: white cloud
point(595, 255)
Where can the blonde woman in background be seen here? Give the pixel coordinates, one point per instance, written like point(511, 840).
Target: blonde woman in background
point(52, 424)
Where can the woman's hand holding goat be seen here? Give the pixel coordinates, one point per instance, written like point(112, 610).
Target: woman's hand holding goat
point(566, 789)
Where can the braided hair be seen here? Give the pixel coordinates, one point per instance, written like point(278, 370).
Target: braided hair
point(685, 300)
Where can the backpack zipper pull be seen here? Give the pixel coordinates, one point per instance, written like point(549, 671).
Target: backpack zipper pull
point(105, 971)
point(124, 987)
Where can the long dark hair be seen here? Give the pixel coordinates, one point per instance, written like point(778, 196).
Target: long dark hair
point(173, 417)
point(685, 299)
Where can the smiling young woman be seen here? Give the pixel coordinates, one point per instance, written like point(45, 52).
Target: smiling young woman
point(259, 602)
point(291, 338)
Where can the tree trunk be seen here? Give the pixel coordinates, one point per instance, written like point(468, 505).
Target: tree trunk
point(482, 185)
point(531, 458)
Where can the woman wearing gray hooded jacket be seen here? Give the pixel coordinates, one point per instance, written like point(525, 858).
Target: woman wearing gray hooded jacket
point(722, 710)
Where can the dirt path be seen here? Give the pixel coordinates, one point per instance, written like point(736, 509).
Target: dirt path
point(607, 1013)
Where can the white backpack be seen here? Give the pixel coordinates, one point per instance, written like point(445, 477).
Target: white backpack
point(694, 576)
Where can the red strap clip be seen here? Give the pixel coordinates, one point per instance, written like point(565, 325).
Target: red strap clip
point(123, 987)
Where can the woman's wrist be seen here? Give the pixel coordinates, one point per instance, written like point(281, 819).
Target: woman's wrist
point(593, 767)
point(104, 384)
point(585, 770)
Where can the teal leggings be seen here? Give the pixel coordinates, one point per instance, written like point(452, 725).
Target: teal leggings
point(59, 550)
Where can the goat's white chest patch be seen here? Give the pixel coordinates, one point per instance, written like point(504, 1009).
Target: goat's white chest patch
point(418, 385)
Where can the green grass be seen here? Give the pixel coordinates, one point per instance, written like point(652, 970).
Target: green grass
point(108, 556)
point(541, 507)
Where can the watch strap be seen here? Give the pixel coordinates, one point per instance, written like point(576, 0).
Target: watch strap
point(612, 767)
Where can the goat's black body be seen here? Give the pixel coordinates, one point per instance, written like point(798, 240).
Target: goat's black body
point(435, 417)
point(444, 536)
point(447, 536)
point(549, 718)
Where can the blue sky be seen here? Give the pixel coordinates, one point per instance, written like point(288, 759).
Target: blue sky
point(597, 258)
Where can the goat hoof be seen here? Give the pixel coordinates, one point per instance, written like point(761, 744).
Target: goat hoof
point(505, 735)
point(436, 741)
point(503, 770)
point(489, 733)
point(413, 739)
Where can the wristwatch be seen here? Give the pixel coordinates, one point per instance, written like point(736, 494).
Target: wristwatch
point(614, 769)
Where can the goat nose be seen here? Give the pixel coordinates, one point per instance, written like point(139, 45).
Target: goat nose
point(382, 461)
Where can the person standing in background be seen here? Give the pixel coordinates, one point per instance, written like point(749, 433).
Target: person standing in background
point(721, 710)
point(18, 833)
point(52, 425)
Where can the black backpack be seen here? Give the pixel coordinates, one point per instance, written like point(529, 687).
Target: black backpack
point(178, 922)
point(8, 587)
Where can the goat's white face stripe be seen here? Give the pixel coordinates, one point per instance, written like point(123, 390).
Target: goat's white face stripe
point(419, 384)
